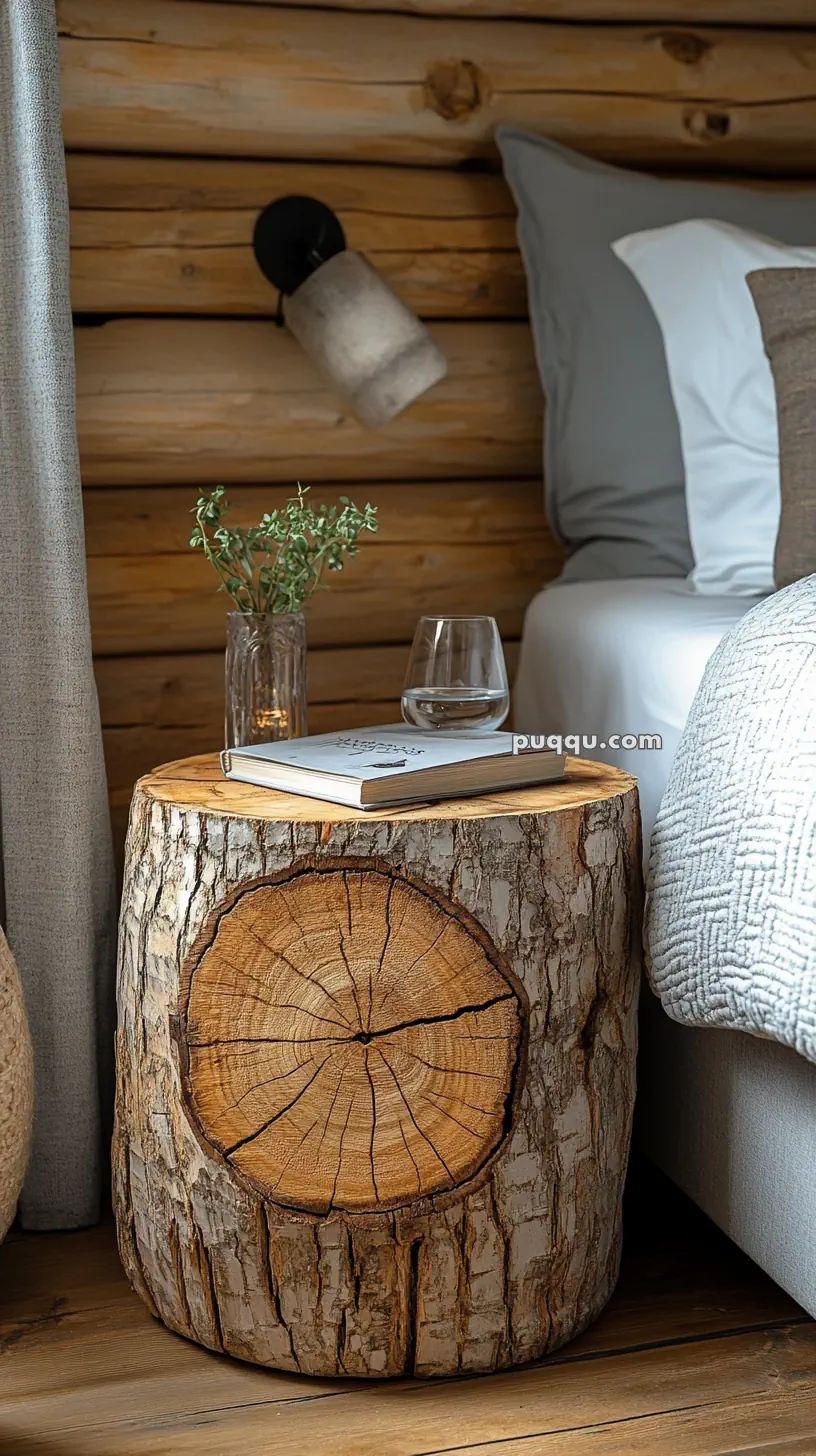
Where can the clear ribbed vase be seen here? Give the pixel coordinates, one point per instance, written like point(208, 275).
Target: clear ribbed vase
point(265, 678)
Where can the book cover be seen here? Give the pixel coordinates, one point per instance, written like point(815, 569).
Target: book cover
point(377, 753)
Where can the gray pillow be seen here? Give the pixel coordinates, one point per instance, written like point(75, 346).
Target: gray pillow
point(613, 463)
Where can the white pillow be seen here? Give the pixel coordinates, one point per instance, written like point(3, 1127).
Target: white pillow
point(693, 274)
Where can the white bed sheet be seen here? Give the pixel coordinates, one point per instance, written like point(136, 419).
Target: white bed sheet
point(616, 657)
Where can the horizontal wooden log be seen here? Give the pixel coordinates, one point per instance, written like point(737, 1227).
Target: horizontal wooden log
point(683, 12)
point(450, 548)
point(185, 691)
point(465, 210)
point(177, 76)
point(150, 522)
point(171, 602)
point(174, 235)
point(163, 400)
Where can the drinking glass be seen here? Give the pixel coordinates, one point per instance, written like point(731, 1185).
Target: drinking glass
point(456, 676)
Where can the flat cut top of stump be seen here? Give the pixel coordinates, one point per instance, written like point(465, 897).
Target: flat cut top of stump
point(198, 783)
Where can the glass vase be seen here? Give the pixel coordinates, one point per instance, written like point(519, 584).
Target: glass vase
point(265, 678)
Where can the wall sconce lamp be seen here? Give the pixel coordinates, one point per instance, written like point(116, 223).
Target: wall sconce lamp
point(369, 345)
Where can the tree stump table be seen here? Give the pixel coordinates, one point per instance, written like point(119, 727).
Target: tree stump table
point(376, 1071)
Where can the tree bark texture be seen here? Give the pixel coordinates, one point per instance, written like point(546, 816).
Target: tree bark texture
point(376, 1073)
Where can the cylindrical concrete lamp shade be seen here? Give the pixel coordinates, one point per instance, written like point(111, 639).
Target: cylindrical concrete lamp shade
point(368, 344)
point(371, 348)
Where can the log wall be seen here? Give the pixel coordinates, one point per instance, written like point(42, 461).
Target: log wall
point(182, 120)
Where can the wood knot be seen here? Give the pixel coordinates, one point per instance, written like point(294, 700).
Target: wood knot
point(684, 47)
point(707, 126)
point(455, 90)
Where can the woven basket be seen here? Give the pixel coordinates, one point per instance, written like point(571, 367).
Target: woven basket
point(16, 1087)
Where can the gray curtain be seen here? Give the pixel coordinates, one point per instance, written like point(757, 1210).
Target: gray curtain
point(56, 852)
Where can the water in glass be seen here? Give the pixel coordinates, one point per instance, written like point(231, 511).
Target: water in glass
point(456, 678)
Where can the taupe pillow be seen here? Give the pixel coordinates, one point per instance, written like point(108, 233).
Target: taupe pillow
point(614, 476)
point(785, 300)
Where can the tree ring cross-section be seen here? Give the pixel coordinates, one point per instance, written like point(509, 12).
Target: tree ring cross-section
point(351, 1041)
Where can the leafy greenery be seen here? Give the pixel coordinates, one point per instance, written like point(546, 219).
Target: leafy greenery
point(277, 565)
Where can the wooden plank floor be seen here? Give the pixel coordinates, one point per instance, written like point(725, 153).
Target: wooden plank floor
point(698, 1354)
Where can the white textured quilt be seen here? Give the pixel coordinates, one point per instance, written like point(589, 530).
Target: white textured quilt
point(731, 910)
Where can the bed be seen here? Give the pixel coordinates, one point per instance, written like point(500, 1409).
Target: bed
point(619, 657)
point(729, 1117)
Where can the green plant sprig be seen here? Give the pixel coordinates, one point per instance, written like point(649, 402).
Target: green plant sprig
point(276, 566)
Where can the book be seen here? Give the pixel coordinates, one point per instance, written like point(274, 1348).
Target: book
point(377, 768)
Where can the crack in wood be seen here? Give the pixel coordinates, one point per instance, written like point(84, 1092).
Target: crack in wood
point(411, 1156)
point(382, 954)
point(295, 1150)
point(271, 1041)
point(410, 1112)
point(472, 1009)
point(342, 941)
point(333, 1199)
point(270, 1283)
point(290, 965)
point(354, 930)
point(373, 1126)
point(425, 1097)
point(127, 1236)
point(407, 971)
point(176, 1264)
point(229, 1152)
point(279, 1077)
point(208, 1287)
point(412, 1312)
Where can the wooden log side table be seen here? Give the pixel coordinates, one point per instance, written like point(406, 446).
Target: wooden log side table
point(376, 1071)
